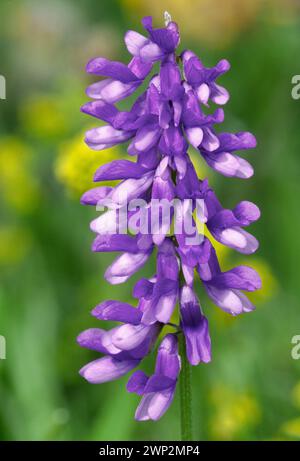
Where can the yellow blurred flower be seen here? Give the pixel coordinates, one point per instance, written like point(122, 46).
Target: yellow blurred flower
point(41, 116)
point(291, 429)
point(76, 164)
point(18, 185)
point(234, 413)
point(14, 245)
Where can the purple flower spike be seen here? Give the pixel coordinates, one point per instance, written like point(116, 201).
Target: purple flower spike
point(159, 208)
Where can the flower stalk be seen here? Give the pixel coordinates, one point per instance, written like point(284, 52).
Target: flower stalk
point(185, 390)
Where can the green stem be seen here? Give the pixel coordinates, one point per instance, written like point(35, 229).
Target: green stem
point(185, 393)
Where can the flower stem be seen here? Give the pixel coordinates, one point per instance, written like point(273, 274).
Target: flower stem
point(185, 393)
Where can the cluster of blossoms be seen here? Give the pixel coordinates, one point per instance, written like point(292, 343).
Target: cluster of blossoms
point(164, 120)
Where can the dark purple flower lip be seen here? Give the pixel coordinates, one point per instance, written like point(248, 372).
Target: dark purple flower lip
point(160, 208)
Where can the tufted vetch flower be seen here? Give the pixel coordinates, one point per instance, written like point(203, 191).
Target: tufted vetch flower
point(158, 181)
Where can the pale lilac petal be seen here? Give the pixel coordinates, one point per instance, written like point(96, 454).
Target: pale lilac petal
point(230, 165)
point(107, 369)
point(124, 267)
point(131, 189)
point(94, 90)
point(110, 222)
point(130, 336)
point(135, 42)
point(146, 138)
point(219, 95)
point(195, 136)
point(181, 165)
point(153, 406)
point(203, 93)
point(164, 299)
point(108, 344)
point(116, 90)
point(151, 52)
point(165, 307)
point(177, 108)
point(111, 91)
point(106, 136)
point(232, 301)
point(237, 238)
point(188, 273)
point(210, 140)
point(92, 197)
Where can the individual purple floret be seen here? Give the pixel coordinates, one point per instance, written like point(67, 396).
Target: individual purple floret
point(202, 79)
point(169, 115)
point(158, 390)
point(195, 327)
point(123, 80)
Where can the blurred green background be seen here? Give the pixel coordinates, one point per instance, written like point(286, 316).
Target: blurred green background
point(50, 280)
